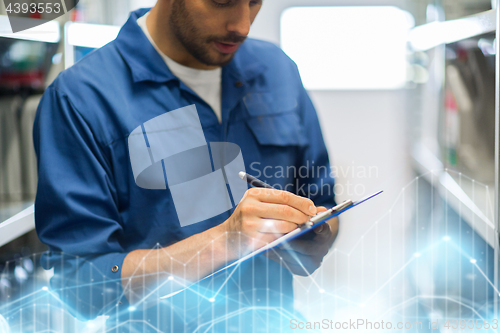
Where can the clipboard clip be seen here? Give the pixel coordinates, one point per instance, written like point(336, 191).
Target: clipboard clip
point(326, 214)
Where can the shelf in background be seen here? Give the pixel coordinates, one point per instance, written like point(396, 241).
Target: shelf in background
point(428, 36)
point(22, 222)
point(459, 195)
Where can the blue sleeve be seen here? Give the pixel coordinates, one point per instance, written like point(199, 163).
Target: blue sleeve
point(318, 184)
point(76, 211)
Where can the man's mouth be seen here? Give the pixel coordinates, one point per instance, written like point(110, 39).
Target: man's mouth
point(227, 48)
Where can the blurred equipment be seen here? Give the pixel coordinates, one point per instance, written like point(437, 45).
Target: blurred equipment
point(28, 167)
point(25, 62)
point(455, 126)
point(459, 8)
point(469, 124)
point(10, 152)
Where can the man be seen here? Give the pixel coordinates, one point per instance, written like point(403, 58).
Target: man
point(116, 247)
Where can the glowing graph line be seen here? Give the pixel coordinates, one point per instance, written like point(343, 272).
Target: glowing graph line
point(475, 264)
point(314, 278)
point(114, 328)
point(402, 191)
point(279, 310)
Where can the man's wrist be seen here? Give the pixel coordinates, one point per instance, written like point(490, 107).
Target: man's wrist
point(224, 243)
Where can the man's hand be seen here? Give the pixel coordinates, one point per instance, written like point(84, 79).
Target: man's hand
point(263, 215)
point(302, 256)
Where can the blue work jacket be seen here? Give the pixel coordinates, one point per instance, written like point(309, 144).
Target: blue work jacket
point(90, 211)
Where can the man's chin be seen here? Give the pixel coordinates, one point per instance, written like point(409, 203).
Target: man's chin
point(229, 58)
point(220, 60)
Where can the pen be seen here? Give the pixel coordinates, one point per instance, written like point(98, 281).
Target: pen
point(254, 181)
point(315, 219)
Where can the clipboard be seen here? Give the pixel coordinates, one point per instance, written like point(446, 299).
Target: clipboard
point(313, 223)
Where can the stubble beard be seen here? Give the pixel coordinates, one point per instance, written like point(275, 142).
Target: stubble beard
point(191, 38)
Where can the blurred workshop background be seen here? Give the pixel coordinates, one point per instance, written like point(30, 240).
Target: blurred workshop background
point(406, 95)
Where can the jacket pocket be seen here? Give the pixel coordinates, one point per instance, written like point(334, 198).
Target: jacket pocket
point(274, 120)
point(270, 103)
point(278, 130)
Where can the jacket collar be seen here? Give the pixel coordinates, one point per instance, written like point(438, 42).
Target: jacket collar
point(147, 65)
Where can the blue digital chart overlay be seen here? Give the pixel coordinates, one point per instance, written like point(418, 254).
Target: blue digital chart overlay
point(412, 264)
point(19, 11)
point(170, 151)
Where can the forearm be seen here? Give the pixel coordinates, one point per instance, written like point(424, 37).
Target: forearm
point(261, 217)
point(186, 261)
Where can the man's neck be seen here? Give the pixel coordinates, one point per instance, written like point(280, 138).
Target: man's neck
point(168, 43)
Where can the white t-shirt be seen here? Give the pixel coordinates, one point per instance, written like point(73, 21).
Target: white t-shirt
point(206, 83)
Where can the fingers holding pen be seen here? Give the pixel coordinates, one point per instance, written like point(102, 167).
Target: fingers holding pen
point(272, 196)
point(267, 214)
point(282, 212)
point(269, 226)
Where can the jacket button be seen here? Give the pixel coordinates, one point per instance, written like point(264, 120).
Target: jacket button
point(115, 269)
point(238, 84)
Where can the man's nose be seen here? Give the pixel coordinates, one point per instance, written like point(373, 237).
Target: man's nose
point(240, 20)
